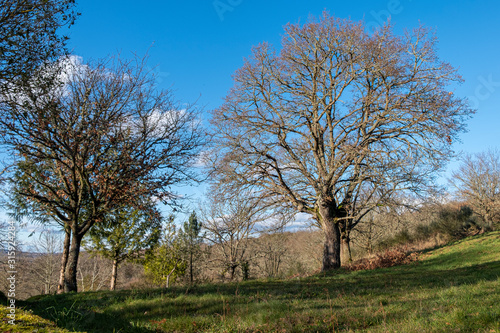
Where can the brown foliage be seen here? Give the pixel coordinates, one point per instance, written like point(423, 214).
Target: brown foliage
point(87, 139)
point(391, 257)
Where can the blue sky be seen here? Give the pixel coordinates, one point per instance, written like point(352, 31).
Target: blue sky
point(195, 46)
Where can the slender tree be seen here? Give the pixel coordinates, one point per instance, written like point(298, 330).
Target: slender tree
point(102, 139)
point(44, 266)
point(191, 237)
point(228, 222)
point(336, 111)
point(125, 234)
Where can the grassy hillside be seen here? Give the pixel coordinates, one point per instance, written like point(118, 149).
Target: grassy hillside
point(452, 289)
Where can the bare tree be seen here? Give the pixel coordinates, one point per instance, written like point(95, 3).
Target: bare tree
point(3, 236)
point(335, 112)
point(272, 248)
point(94, 271)
point(477, 181)
point(102, 139)
point(45, 265)
point(228, 222)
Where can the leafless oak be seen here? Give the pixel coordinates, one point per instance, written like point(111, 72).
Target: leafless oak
point(337, 114)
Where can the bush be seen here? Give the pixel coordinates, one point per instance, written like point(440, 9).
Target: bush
point(456, 223)
point(450, 223)
point(402, 237)
point(424, 232)
point(391, 257)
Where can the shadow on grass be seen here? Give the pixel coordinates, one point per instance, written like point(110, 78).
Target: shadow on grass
point(84, 312)
point(116, 311)
point(353, 300)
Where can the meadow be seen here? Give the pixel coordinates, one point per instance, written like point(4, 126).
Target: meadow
point(453, 288)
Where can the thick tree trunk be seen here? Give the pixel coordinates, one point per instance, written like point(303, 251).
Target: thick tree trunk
point(330, 224)
point(64, 261)
point(331, 250)
point(70, 283)
point(114, 274)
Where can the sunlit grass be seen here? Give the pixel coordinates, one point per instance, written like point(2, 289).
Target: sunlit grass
point(26, 321)
point(453, 288)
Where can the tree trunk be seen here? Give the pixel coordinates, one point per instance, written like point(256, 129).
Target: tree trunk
point(169, 275)
point(114, 274)
point(330, 224)
point(331, 250)
point(345, 227)
point(488, 221)
point(171, 272)
point(191, 279)
point(345, 250)
point(64, 260)
point(232, 270)
point(70, 283)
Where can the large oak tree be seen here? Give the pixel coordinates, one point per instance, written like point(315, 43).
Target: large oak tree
point(335, 118)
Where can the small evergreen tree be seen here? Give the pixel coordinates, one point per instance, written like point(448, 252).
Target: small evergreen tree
point(125, 234)
point(191, 238)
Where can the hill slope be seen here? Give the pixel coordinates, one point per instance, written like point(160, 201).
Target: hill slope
point(454, 288)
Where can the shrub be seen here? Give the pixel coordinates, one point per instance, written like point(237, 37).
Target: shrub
point(456, 223)
point(402, 237)
point(391, 257)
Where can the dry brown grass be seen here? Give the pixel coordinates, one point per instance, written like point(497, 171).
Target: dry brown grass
point(391, 257)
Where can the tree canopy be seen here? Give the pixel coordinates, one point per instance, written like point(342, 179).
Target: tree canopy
point(335, 115)
point(101, 139)
point(29, 34)
point(167, 261)
point(477, 181)
point(192, 238)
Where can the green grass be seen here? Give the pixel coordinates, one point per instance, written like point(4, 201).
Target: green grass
point(26, 321)
point(452, 289)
